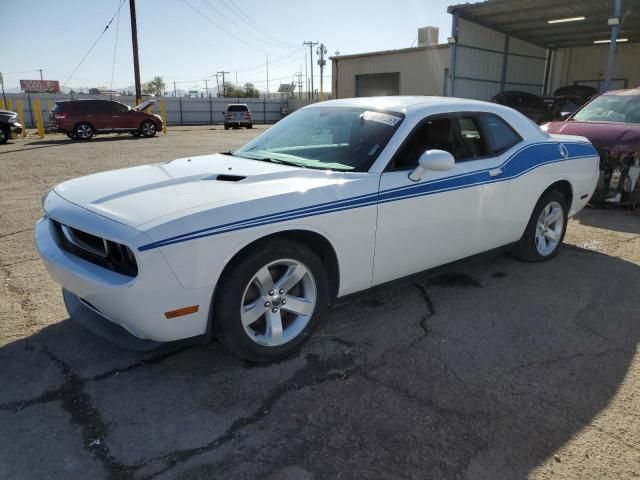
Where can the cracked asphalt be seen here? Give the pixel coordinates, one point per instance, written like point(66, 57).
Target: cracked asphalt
point(495, 370)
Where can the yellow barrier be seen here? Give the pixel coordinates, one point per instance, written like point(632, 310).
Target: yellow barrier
point(163, 114)
point(21, 118)
point(49, 106)
point(38, 112)
point(1, 104)
point(9, 104)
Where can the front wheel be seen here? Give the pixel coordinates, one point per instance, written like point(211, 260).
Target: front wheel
point(270, 301)
point(148, 128)
point(250, 125)
point(545, 231)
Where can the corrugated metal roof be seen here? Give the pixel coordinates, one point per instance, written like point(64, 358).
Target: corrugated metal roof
point(527, 19)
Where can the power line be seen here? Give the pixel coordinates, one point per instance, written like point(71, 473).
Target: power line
point(228, 32)
point(249, 21)
point(94, 44)
point(115, 48)
point(240, 27)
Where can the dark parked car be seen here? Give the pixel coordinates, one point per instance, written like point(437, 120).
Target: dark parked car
point(237, 115)
point(568, 99)
point(81, 119)
point(526, 103)
point(611, 122)
point(8, 125)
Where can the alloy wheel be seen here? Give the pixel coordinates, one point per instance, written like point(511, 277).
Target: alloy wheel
point(84, 131)
point(278, 302)
point(549, 229)
point(148, 129)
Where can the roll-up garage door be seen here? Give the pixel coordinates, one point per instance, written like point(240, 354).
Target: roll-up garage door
point(378, 84)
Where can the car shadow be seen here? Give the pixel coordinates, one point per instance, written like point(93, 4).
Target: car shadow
point(624, 220)
point(483, 372)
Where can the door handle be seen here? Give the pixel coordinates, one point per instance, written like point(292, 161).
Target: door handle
point(495, 172)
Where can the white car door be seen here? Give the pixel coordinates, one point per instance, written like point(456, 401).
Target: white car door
point(445, 216)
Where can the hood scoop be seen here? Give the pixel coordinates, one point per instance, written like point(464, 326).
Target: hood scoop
point(224, 177)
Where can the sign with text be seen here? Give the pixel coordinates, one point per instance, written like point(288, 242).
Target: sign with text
point(39, 86)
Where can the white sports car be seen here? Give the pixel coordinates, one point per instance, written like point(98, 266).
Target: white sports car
point(336, 198)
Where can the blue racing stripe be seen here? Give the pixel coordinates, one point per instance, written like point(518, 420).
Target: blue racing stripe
point(520, 162)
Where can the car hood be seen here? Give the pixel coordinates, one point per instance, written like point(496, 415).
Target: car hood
point(622, 137)
point(152, 194)
point(144, 105)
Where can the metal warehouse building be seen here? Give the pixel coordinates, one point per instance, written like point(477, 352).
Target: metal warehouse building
point(528, 45)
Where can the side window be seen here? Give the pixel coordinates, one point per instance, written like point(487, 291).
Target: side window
point(461, 136)
point(501, 137)
point(473, 144)
point(435, 134)
point(119, 107)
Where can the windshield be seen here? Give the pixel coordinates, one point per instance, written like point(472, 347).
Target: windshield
point(611, 108)
point(328, 138)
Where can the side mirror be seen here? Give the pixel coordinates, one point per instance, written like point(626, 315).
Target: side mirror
point(437, 160)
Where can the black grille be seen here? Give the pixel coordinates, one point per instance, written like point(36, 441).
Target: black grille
point(105, 253)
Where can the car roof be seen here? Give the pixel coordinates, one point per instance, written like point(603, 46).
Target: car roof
point(627, 91)
point(406, 104)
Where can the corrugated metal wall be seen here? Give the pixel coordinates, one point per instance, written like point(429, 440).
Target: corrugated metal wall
point(487, 62)
point(588, 64)
point(180, 110)
point(421, 70)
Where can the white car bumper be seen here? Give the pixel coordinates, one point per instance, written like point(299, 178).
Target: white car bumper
point(137, 304)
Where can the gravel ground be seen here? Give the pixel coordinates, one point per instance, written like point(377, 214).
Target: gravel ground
point(496, 370)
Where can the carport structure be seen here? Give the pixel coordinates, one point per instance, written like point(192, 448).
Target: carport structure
point(533, 45)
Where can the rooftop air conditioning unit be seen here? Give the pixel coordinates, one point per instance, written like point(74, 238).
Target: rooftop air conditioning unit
point(427, 36)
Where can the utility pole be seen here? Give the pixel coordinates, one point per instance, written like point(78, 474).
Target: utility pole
point(299, 75)
point(224, 85)
point(306, 73)
point(322, 62)
point(134, 44)
point(174, 89)
point(4, 97)
point(311, 45)
point(41, 80)
point(267, 57)
point(206, 87)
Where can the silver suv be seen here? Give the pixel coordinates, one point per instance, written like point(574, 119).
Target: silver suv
point(237, 115)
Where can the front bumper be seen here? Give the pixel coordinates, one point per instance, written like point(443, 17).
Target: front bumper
point(135, 304)
point(92, 320)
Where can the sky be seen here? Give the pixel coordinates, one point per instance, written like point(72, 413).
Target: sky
point(187, 41)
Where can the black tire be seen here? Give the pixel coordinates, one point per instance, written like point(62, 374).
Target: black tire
point(226, 127)
point(526, 249)
point(5, 134)
point(83, 131)
point(148, 128)
point(250, 125)
point(230, 296)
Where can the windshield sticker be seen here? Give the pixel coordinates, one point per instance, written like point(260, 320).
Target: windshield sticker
point(385, 118)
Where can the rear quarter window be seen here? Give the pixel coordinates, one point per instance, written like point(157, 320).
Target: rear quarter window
point(501, 137)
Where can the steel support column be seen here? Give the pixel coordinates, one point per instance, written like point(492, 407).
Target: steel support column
point(612, 47)
point(452, 67)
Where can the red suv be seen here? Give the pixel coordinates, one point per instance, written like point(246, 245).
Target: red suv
point(81, 119)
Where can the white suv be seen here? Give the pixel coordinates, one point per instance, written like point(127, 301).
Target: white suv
point(237, 115)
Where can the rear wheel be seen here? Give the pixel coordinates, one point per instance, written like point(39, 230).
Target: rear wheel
point(226, 127)
point(148, 128)
point(5, 134)
point(545, 231)
point(83, 131)
point(250, 125)
point(270, 302)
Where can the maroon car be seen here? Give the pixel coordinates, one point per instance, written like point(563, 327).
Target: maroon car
point(81, 119)
point(611, 122)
